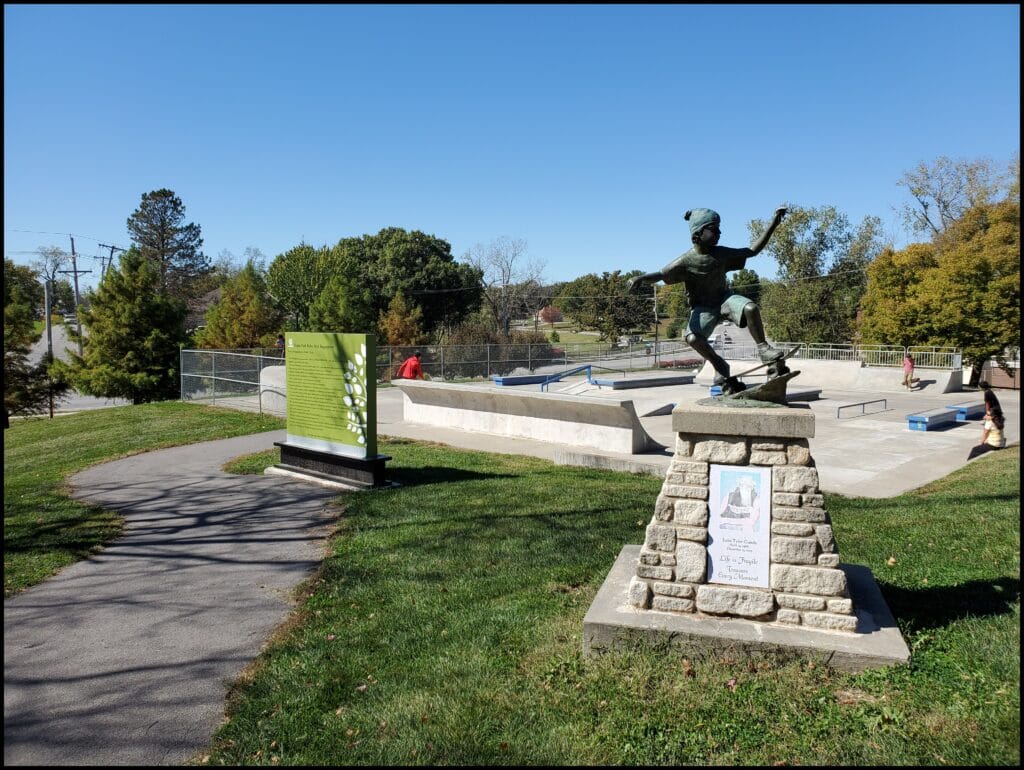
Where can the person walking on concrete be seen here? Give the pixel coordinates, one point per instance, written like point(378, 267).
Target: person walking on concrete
point(908, 371)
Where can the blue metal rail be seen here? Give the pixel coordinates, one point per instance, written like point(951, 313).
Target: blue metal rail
point(588, 368)
point(566, 373)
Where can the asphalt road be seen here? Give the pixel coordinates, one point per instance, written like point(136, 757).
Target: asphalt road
point(74, 401)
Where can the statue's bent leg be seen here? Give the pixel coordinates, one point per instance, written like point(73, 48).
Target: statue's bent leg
point(752, 315)
point(701, 345)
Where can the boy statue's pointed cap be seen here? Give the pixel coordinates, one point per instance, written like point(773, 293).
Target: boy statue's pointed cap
point(699, 218)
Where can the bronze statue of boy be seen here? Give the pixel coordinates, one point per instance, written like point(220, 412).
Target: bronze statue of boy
point(702, 270)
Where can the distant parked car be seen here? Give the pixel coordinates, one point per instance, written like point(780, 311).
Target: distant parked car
point(70, 318)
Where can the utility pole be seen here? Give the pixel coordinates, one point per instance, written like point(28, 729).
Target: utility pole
point(78, 300)
point(106, 264)
point(655, 326)
point(47, 287)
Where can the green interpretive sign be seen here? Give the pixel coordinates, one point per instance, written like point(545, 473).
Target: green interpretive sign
point(332, 394)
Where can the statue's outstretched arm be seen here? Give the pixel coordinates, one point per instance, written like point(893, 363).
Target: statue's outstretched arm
point(761, 242)
point(638, 280)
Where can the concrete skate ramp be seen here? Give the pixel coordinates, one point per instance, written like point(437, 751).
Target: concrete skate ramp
point(882, 379)
point(273, 389)
point(847, 375)
point(610, 425)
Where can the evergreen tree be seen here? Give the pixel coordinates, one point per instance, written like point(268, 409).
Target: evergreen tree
point(135, 332)
point(345, 305)
point(746, 282)
point(158, 230)
point(244, 317)
point(402, 324)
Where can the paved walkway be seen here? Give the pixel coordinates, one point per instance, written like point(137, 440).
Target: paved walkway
point(125, 658)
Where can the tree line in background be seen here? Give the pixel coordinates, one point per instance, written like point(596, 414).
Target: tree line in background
point(836, 283)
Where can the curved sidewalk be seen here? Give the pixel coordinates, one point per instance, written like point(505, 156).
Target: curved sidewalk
point(125, 658)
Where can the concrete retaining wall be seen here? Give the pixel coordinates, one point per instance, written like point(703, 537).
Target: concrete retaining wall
point(595, 423)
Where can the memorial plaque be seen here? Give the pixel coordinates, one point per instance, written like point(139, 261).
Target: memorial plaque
point(739, 525)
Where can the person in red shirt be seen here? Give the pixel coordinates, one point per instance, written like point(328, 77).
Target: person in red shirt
point(410, 368)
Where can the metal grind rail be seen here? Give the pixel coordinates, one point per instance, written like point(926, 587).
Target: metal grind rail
point(862, 405)
point(568, 372)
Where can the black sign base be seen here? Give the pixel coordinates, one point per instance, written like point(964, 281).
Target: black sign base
point(368, 473)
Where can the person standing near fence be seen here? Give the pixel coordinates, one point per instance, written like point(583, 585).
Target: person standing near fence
point(410, 368)
point(908, 371)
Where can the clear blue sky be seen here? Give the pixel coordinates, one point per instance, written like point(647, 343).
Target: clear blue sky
point(585, 130)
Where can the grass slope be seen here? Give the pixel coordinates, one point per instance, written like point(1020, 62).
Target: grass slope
point(445, 629)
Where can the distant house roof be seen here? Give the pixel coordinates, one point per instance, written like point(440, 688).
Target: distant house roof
point(198, 307)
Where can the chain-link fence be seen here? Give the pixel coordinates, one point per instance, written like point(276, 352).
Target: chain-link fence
point(468, 362)
point(233, 378)
point(240, 378)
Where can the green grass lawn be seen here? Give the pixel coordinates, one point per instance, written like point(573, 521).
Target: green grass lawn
point(446, 629)
point(445, 625)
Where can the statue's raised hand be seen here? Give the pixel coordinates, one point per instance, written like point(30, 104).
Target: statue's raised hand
point(780, 212)
point(633, 283)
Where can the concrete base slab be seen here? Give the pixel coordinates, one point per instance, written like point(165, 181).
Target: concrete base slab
point(651, 464)
point(611, 623)
point(321, 480)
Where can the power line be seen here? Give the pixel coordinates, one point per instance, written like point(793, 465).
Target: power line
point(767, 281)
point(103, 267)
point(65, 235)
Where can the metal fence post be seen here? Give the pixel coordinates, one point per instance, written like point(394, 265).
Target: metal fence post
point(488, 360)
point(442, 362)
point(214, 376)
point(529, 356)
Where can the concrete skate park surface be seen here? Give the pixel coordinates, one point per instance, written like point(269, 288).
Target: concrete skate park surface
point(873, 454)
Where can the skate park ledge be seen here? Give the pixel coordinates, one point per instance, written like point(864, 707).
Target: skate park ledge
point(610, 425)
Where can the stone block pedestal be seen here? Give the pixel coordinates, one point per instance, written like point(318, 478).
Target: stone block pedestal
point(740, 550)
point(612, 622)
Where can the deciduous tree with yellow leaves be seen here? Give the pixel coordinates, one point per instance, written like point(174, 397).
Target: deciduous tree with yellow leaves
point(962, 289)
